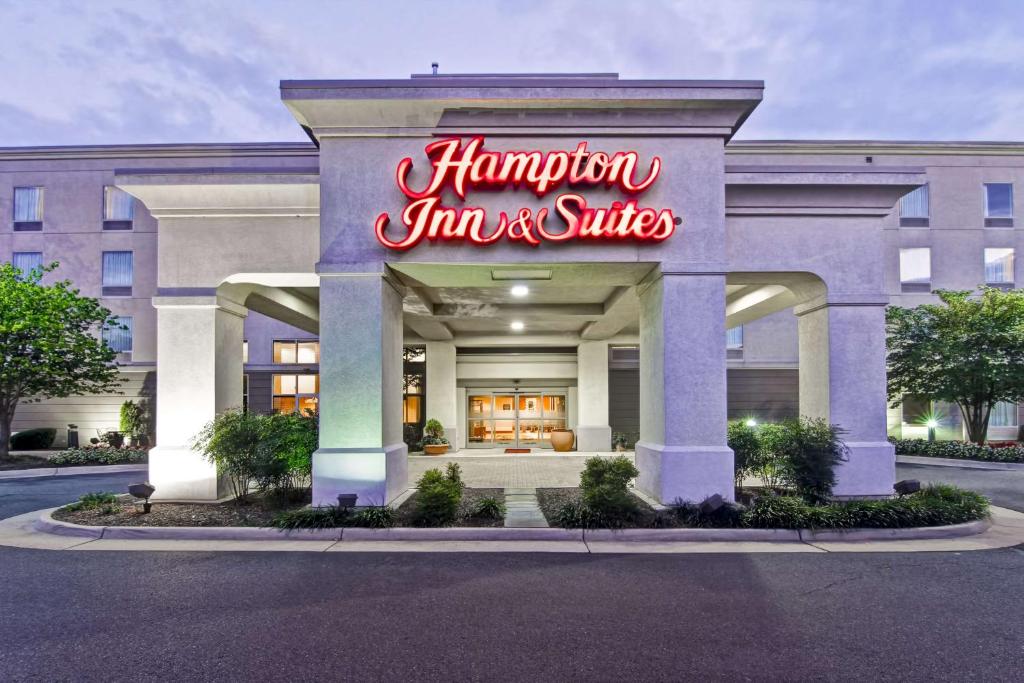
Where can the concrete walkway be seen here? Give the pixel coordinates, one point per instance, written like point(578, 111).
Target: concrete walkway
point(533, 471)
point(522, 509)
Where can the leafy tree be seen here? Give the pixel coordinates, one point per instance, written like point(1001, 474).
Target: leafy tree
point(50, 345)
point(967, 350)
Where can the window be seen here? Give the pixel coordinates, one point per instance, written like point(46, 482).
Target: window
point(118, 209)
point(245, 351)
point(999, 266)
point(119, 338)
point(245, 393)
point(914, 208)
point(296, 393)
point(28, 208)
point(915, 269)
point(1004, 414)
point(292, 351)
point(117, 273)
point(734, 342)
point(998, 205)
point(27, 260)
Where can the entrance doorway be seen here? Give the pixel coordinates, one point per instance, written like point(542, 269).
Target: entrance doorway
point(514, 418)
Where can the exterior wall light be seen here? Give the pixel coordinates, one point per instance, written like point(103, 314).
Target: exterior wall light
point(519, 291)
point(517, 326)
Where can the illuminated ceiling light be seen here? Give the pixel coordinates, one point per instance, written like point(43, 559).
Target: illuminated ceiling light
point(517, 326)
point(519, 291)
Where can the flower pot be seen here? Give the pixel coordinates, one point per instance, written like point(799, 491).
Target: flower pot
point(436, 449)
point(562, 440)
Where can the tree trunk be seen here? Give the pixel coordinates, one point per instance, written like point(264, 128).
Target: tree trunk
point(5, 435)
point(976, 417)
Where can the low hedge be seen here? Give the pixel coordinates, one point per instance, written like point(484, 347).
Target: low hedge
point(959, 450)
point(327, 517)
point(98, 456)
point(33, 439)
point(937, 505)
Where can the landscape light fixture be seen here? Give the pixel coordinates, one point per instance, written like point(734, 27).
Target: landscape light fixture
point(712, 504)
point(751, 422)
point(519, 291)
point(142, 491)
point(906, 486)
point(347, 500)
point(517, 326)
point(931, 424)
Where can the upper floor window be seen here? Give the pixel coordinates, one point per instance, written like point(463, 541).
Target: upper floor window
point(999, 266)
point(27, 260)
point(998, 205)
point(119, 337)
point(734, 342)
point(914, 208)
point(28, 208)
point(293, 351)
point(916, 269)
point(117, 273)
point(118, 209)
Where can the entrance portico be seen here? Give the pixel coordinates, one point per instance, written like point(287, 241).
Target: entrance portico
point(747, 242)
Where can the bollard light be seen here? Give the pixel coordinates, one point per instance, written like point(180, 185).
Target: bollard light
point(143, 491)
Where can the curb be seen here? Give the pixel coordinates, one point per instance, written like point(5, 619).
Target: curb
point(42, 472)
point(956, 462)
point(47, 524)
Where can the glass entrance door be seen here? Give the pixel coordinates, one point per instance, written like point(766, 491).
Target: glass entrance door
point(514, 419)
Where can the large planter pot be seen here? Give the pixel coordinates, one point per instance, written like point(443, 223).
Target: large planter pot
point(436, 449)
point(562, 440)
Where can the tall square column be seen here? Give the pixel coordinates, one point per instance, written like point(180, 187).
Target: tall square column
point(199, 374)
point(842, 379)
point(442, 399)
point(593, 433)
point(682, 452)
point(361, 448)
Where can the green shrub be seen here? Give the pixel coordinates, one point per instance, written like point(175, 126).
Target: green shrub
point(769, 462)
point(489, 508)
point(937, 505)
point(33, 439)
point(745, 445)
point(289, 441)
point(958, 450)
point(97, 456)
point(134, 419)
point(377, 517)
point(729, 515)
point(813, 449)
point(604, 485)
point(112, 439)
point(438, 497)
point(325, 517)
point(578, 515)
point(101, 500)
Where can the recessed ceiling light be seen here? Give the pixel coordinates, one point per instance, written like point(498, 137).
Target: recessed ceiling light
point(519, 291)
point(517, 326)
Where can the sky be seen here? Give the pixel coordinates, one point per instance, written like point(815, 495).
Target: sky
point(141, 71)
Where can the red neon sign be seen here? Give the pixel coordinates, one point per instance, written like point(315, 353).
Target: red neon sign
point(464, 167)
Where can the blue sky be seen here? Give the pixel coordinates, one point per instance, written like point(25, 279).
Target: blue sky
point(139, 71)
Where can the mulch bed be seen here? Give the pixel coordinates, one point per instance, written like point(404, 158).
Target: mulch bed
point(551, 501)
point(24, 462)
point(470, 497)
point(259, 511)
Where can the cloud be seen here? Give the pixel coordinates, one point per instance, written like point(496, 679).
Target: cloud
point(143, 71)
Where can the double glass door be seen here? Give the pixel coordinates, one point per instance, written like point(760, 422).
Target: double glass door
point(514, 418)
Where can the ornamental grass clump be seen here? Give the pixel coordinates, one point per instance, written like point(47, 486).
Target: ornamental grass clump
point(438, 496)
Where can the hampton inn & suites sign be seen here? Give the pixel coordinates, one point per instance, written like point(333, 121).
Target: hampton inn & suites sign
point(463, 167)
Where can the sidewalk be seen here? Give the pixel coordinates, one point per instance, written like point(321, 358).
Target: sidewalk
point(24, 531)
point(68, 471)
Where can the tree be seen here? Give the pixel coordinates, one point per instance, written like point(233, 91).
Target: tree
point(50, 343)
point(967, 350)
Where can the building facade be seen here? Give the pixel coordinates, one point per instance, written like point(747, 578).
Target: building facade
point(651, 279)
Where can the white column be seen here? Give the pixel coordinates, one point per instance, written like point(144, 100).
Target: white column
point(592, 431)
point(199, 374)
point(682, 452)
point(442, 398)
point(361, 448)
point(842, 379)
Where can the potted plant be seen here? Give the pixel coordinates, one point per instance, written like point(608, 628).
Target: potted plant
point(562, 440)
point(434, 441)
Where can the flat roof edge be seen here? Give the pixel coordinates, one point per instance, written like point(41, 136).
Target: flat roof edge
point(497, 81)
point(220, 170)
